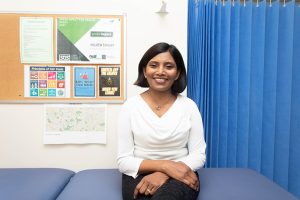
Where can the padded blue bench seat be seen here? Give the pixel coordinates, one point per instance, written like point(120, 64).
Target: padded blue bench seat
point(216, 184)
point(98, 184)
point(32, 183)
point(238, 184)
point(94, 184)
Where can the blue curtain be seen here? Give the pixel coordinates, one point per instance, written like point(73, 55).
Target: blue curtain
point(244, 74)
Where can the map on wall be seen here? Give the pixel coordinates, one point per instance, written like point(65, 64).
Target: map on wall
point(77, 124)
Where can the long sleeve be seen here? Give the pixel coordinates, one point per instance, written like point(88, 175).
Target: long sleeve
point(196, 144)
point(127, 162)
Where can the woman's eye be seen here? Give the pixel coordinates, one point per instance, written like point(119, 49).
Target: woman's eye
point(152, 65)
point(169, 66)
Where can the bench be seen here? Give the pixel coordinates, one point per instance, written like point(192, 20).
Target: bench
point(95, 184)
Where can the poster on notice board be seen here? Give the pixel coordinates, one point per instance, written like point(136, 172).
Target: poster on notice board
point(88, 40)
point(46, 81)
point(84, 81)
point(109, 81)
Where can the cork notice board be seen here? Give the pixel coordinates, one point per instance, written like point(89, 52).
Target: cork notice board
point(12, 75)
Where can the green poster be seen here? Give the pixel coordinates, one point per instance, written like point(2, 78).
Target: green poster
point(89, 40)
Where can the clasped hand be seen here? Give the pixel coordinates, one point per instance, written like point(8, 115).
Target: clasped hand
point(181, 172)
point(177, 170)
point(150, 183)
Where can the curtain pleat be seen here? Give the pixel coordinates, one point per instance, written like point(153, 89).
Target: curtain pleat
point(294, 164)
point(256, 85)
point(215, 91)
point(284, 90)
point(244, 75)
point(243, 84)
point(269, 87)
point(224, 83)
point(233, 89)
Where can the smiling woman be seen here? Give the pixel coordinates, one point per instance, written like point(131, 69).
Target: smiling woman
point(176, 58)
point(161, 140)
point(161, 72)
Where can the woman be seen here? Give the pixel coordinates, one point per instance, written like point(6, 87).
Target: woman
point(161, 141)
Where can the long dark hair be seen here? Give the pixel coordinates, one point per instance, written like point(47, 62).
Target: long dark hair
point(180, 84)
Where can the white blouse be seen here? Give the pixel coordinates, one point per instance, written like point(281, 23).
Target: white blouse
point(177, 135)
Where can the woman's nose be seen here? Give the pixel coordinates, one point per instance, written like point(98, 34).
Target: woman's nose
point(160, 70)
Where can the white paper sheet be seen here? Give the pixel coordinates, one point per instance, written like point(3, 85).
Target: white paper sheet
point(36, 39)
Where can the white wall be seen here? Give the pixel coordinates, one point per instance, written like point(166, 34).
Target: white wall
point(21, 125)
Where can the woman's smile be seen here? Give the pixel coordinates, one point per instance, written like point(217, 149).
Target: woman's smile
point(161, 80)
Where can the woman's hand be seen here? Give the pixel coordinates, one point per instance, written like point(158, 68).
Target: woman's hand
point(150, 183)
point(181, 172)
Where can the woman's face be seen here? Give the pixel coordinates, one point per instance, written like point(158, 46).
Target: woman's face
point(161, 72)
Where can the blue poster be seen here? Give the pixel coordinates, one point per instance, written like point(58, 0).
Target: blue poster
point(84, 81)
